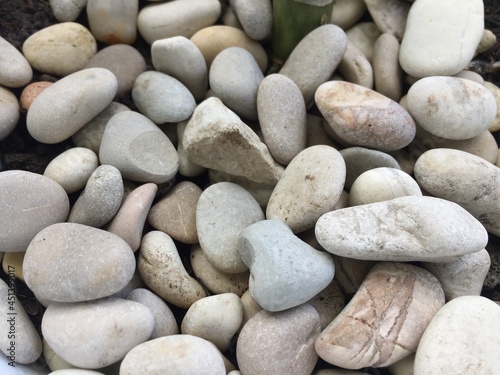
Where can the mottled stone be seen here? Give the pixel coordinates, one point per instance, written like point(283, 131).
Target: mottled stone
point(15, 70)
point(113, 21)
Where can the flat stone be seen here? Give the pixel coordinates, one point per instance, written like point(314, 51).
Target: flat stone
point(310, 187)
point(389, 15)
point(465, 179)
point(29, 203)
point(347, 12)
point(224, 210)
point(31, 92)
point(403, 229)
point(9, 112)
point(65, 262)
point(462, 337)
point(101, 198)
point(15, 70)
point(175, 354)
point(70, 329)
point(60, 49)
point(363, 35)
point(66, 106)
point(113, 21)
point(185, 18)
point(161, 268)
point(282, 117)
point(385, 319)
point(279, 343)
point(441, 40)
point(363, 117)
point(67, 10)
point(138, 148)
point(451, 107)
point(256, 17)
point(387, 73)
point(355, 67)
point(240, 152)
point(284, 271)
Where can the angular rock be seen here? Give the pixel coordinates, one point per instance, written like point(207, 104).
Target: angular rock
point(9, 112)
point(113, 21)
point(15, 70)
point(256, 17)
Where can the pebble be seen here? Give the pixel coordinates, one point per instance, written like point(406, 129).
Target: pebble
point(9, 112)
point(31, 92)
point(441, 40)
point(363, 35)
point(224, 210)
point(310, 187)
point(214, 318)
point(138, 148)
point(60, 263)
point(186, 167)
point(316, 133)
point(72, 168)
point(328, 303)
point(240, 152)
point(214, 39)
point(164, 320)
point(67, 10)
point(315, 58)
point(66, 106)
point(350, 273)
point(161, 269)
point(113, 21)
point(175, 354)
point(463, 276)
point(181, 59)
point(282, 117)
point(101, 198)
point(29, 202)
point(234, 78)
point(461, 338)
point(389, 15)
point(175, 213)
point(214, 280)
point(284, 271)
point(403, 229)
point(387, 73)
point(495, 90)
point(15, 70)
point(162, 98)
point(229, 18)
point(488, 40)
point(465, 179)
point(279, 343)
point(128, 223)
point(20, 342)
point(75, 371)
point(470, 75)
point(70, 329)
point(403, 366)
point(346, 13)
point(124, 61)
point(451, 107)
point(363, 117)
point(384, 320)
point(60, 49)
point(250, 307)
point(256, 17)
point(184, 18)
point(355, 67)
point(382, 184)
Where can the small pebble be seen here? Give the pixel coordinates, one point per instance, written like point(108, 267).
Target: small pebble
point(113, 21)
point(186, 167)
point(67, 10)
point(389, 15)
point(328, 303)
point(388, 76)
point(9, 112)
point(31, 91)
point(495, 90)
point(256, 17)
point(363, 35)
point(15, 70)
point(355, 67)
point(346, 13)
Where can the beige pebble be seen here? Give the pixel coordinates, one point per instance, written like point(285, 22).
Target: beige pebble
point(250, 307)
point(388, 75)
point(53, 360)
point(470, 75)
point(488, 40)
point(345, 13)
point(113, 21)
point(389, 15)
point(355, 67)
point(31, 91)
point(363, 35)
point(15, 71)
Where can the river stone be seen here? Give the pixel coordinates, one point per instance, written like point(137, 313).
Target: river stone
point(363, 35)
point(9, 112)
point(15, 70)
point(72, 168)
point(282, 117)
point(310, 187)
point(31, 92)
point(66, 106)
point(234, 78)
point(284, 271)
point(279, 343)
point(224, 210)
point(20, 342)
point(214, 318)
point(29, 202)
point(162, 98)
point(250, 307)
point(347, 12)
point(466, 179)
point(70, 329)
point(389, 15)
point(181, 59)
point(101, 198)
point(161, 268)
point(382, 184)
point(461, 338)
point(174, 355)
point(441, 39)
point(403, 229)
point(355, 67)
point(256, 17)
point(113, 21)
point(384, 320)
point(69, 262)
point(451, 107)
point(240, 151)
point(186, 167)
point(363, 117)
point(138, 148)
point(176, 18)
point(388, 76)
point(67, 10)
point(60, 49)
point(315, 58)
point(164, 320)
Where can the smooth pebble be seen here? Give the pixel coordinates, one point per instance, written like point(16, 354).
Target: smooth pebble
point(363, 35)
point(31, 92)
point(389, 15)
point(113, 21)
point(15, 70)
point(387, 74)
point(355, 67)
point(9, 112)
point(346, 13)
point(256, 17)
point(67, 10)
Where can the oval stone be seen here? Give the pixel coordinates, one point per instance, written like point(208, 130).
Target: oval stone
point(69, 262)
point(347, 12)
point(355, 67)
point(15, 71)
point(29, 202)
point(9, 112)
point(256, 17)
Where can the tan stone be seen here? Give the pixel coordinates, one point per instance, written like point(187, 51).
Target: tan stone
point(31, 91)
